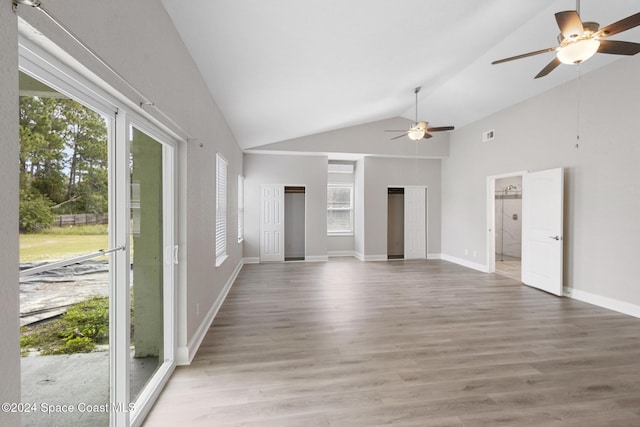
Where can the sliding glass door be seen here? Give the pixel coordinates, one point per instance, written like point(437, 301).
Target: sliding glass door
point(65, 286)
point(97, 253)
point(152, 259)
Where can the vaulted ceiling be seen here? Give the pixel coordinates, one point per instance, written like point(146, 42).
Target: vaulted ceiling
point(284, 69)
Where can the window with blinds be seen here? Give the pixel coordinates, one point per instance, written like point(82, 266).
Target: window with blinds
point(240, 208)
point(221, 209)
point(340, 209)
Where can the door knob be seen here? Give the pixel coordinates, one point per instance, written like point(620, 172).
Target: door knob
point(555, 237)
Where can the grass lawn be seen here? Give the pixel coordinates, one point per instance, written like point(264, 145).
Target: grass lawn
point(61, 243)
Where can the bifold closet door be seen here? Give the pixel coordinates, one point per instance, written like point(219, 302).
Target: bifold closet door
point(272, 223)
point(415, 223)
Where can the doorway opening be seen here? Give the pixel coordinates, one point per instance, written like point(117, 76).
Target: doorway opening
point(294, 224)
point(395, 223)
point(504, 217)
point(508, 226)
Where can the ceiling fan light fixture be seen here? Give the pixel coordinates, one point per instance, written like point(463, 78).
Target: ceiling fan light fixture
point(416, 134)
point(579, 51)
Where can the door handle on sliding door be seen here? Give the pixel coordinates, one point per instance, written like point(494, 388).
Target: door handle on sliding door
point(171, 254)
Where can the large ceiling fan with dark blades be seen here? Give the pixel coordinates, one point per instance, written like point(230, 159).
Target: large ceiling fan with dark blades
point(420, 130)
point(579, 41)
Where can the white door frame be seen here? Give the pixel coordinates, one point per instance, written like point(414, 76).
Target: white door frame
point(491, 217)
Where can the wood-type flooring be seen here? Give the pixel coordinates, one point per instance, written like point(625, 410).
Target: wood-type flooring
point(408, 343)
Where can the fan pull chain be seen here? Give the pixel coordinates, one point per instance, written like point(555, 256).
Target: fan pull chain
point(578, 107)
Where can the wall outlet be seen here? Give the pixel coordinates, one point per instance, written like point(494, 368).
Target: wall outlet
point(466, 251)
point(475, 253)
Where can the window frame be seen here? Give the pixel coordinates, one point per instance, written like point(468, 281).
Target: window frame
point(221, 209)
point(240, 208)
point(350, 231)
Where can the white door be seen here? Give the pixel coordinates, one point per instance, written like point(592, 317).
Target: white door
point(415, 236)
point(542, 220)
point(272, 223)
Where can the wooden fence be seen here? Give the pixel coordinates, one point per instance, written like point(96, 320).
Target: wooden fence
point(80, 219)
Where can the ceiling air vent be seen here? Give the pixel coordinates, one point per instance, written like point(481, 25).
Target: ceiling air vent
point(488, 135)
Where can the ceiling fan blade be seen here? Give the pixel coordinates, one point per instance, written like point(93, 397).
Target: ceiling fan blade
point(570, 24)
point(524, 55)
point(394, 130)
point(440, 128)
point(620, 26)
point(549, 68)
point(427, 135)
point(396, 137)
point(615, 47)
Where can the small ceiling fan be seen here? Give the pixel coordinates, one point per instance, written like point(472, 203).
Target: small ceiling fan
point(579, 41)
point(420, 130)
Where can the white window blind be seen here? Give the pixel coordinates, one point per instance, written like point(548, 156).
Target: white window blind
point(340, 209)
point(221, 207)
point(240, 208)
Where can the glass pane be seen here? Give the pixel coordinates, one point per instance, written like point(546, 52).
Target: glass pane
point(147, 260)
point(339, 220)
point(64, 210)
point(339, 197)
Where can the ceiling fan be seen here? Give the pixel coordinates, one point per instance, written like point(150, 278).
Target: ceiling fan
point(420, 130)
point(579, 41)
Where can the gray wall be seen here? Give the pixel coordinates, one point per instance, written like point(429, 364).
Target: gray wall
point(373, 175)
point(138, 40)
point(381, 173)
point(602, 202)
point(9, 152)
point(309, 171)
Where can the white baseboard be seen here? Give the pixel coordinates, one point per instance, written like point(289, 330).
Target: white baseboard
point(376, 257)
point(362, 257)
point(604, 302)
point(464, 263)
point(334, 254)
point(316, 258)
point(311, 258)
point(185, 354)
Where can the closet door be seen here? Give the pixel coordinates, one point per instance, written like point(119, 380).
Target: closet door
point(415, 224)
point(272, 223)
point(542, 228)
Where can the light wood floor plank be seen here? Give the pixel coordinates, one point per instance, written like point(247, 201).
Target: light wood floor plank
point(409, 343)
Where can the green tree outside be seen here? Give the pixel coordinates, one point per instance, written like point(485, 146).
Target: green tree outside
point(63, 161)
